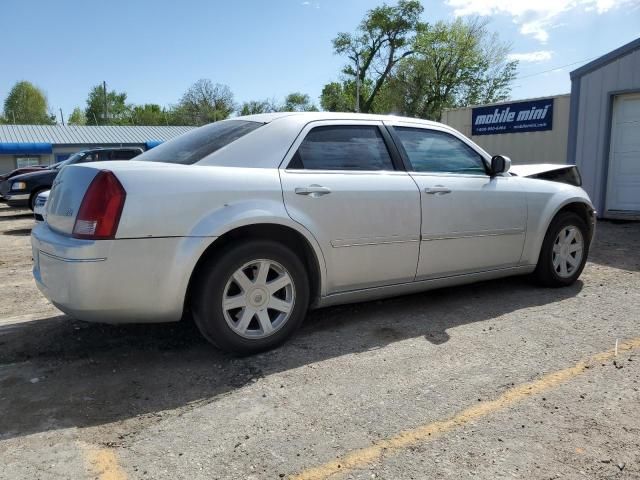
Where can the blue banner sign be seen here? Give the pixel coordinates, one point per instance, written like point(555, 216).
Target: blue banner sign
point(518, 117)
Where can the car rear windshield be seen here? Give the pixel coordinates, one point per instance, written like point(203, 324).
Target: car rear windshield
point(197, 144)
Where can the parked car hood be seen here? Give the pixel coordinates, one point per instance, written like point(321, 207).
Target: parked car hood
point(552, 172)
point(25, 177)
point(536, 168)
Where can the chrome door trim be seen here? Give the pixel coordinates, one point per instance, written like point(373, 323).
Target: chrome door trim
point(356, 242)
point(480, 233)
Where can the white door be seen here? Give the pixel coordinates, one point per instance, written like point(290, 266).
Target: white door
point(471, 222)
point(340, 182)
point(623, 184)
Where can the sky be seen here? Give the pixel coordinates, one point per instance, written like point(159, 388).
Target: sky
point(155, 49)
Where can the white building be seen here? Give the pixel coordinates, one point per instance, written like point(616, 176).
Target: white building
point(26, 145)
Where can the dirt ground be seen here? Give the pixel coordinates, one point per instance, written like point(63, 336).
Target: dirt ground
point(496, 380)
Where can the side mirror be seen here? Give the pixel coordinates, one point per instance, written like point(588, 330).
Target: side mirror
point(500, 164)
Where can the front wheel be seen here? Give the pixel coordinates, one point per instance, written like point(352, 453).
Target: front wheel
point(250, 297)
point(564, 251)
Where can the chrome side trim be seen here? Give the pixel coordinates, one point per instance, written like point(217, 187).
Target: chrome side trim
point(71, 260)
point(480, 233)
point(420, 286)
point(356, 242)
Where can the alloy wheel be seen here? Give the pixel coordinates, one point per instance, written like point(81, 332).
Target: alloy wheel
point(258, 299)
point(568, 248)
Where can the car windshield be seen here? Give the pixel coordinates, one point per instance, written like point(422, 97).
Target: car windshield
point(72, 159)
point(197, 144)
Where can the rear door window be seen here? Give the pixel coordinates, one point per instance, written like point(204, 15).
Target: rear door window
point(343, 147)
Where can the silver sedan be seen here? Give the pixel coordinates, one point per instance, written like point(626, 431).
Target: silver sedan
point(246, 223)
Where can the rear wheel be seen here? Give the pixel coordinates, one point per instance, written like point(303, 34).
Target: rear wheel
point(564, 251)
point(250, 297)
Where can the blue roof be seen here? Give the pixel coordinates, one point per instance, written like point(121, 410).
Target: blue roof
point(14, 148)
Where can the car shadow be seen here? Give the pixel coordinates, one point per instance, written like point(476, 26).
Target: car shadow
point(16, 216)
point(18, 232)
point(59, 373)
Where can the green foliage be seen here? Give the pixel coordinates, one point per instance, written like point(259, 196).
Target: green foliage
point(298, 102)
point(149, 114)
point(417, 69)
point(384, 37)
point(204, 103)
point(455, 64)
point(77, 117)
point(253, 107)
point(27, 104)
point(112, 110)
point(337, 97)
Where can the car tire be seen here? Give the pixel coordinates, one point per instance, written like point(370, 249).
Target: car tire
point(564, 251)
point(34, 196)
point(235, 305)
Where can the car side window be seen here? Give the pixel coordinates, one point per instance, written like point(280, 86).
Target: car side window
point(123, 154)
point(440, 152)
point(89, 157)
point(343, 147)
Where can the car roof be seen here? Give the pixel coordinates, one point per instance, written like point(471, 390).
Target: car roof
point(319, 116)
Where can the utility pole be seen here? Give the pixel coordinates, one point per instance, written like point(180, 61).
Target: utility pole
point(357, 82)
point(61, 117)
point(106, 107)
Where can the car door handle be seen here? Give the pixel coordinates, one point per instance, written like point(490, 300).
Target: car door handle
point(438, 189)
point(313, 191)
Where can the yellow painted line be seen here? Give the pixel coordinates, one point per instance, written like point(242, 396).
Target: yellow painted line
point(103, 464)
point(362, 457)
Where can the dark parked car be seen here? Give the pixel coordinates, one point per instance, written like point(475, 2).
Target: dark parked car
point(22, 190)
point(21, 171)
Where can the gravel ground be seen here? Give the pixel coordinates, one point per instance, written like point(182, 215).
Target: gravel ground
point(79, 400)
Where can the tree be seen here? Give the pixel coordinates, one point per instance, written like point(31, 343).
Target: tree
point(341, 96)
point(77, 117)
point(149, 114)
point(298, 102)
point(454, 64)
point(112, 110)
point(337, 97)
point(384, 37)
point(205, 102)
point(253, 107)
point(27, 104)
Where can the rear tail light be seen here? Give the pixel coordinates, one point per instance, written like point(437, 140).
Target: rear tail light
point(100, 209)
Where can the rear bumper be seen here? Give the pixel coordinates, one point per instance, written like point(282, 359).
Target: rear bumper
point(115, 281)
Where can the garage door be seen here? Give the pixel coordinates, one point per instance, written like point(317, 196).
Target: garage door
point(623, 184)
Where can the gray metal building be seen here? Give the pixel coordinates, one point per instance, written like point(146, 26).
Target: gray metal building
point(604, 130)
point(25, 145)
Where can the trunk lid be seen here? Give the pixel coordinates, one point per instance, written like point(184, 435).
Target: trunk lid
point(71, 184)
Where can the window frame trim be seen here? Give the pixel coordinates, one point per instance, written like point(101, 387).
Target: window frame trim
point(394, 154)
point(446, 131)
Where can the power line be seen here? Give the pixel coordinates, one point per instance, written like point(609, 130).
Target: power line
point(555, 68)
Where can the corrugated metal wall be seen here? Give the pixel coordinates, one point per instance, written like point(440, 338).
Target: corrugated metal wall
point(594, 120)
point(529, 147)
